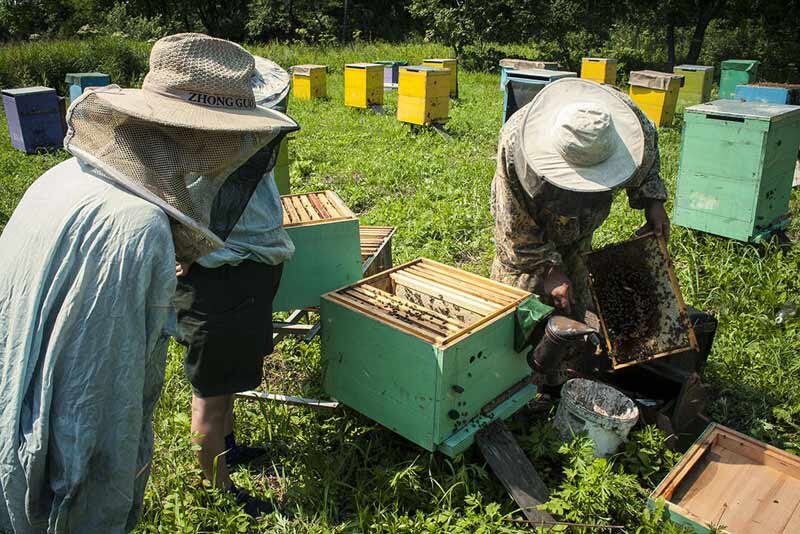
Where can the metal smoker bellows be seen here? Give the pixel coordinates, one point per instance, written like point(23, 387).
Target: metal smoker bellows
point(639, 302)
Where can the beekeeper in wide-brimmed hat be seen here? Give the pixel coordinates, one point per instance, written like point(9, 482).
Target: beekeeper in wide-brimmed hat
point(560, 159)
point(87, 274)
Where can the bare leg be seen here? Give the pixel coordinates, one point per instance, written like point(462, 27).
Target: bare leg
point(209, 416)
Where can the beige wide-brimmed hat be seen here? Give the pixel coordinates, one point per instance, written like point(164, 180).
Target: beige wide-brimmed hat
point(198, 82)
point(582, 136)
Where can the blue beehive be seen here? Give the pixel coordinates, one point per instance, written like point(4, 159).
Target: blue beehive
point(510, 64)
point(391, 71)
point(78, 81)
point(523, 85)
point(34, 118)
point(769, 94)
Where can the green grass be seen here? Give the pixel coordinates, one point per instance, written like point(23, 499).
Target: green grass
point(343, 473)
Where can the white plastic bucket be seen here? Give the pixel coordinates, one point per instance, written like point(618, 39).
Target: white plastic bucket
point(605, 414)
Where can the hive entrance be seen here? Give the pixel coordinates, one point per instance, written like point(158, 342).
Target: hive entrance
point(429, 300)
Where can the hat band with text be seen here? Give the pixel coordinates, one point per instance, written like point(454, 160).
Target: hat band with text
point(204, 99)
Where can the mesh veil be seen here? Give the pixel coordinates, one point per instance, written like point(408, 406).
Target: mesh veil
point(179, 169)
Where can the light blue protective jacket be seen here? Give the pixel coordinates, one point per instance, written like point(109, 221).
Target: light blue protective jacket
point(87, 272)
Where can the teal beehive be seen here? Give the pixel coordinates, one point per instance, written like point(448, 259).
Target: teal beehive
point(736, 168)
point(79, 81)
point(735, 72)
point(327, 249)
point(428, 351)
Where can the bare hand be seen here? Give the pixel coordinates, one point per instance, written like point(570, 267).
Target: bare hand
point(182, 269)
point(559, 287)
point(657, 220)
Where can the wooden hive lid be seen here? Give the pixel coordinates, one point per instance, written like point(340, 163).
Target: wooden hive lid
point(694, 67)
point(305, 69)
point(604, 59)
point(362, 65)
point(746, 110)
point(320, 207)
point(540, 74)
point(480, 300)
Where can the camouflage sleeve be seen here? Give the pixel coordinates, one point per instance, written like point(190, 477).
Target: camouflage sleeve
point(520, 243)
point(647, 184)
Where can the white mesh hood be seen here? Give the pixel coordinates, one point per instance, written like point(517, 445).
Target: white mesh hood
point(178, 169)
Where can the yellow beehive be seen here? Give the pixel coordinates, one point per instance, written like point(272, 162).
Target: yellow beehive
point(452, 66)
point(363, 85)
point(422, 95)
point(599, 69)
point(656, 93)
point(309, 81)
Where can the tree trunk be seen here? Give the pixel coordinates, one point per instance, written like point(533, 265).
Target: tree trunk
point(670, 42)
point(707, 12)
point(344, 23)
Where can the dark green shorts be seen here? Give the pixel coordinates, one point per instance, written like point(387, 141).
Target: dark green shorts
point(225, 322)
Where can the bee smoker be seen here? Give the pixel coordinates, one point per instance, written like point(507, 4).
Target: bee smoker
point(562, 337)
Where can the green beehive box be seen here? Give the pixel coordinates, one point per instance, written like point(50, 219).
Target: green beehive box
point(735, 72)
point(696, 86)
point(428, 351)
point(736, 168)
point(327, 249)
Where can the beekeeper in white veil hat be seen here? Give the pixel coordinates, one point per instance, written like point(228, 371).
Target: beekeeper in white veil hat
point(87, 272)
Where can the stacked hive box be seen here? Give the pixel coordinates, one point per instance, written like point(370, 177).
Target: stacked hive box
point(600, 70)
point(391, 71)
point(79, 81)
point(309, 81)
point(696, 86)
point(363, 85)
point(327, 249)
point(376, 249)
point(772, 93)
point(735, 72)
point(422, 95)
point(34, 118)
point(523, 64)
point(736, 168)
point(523, 85)
point(656, 93)
point(452, 67)
point(412, 348)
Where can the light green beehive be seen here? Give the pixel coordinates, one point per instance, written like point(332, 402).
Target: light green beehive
point(428, 351)
point(327, 249)
point(736, 168)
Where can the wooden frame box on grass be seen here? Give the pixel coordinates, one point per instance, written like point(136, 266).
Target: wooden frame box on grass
point(769, 93)
point(426, 350)
point(522, 86)
point(34, 119)
point(508, 64)
point(736, 168)
point(309, 82)
point(656, 93)
point(422, 95)
point(363, 85)
point(599, 69)
point(327, 249)
point(696, 87)
point(735, 72)
point(451, 65)
point(376, 249)
point(730, 480)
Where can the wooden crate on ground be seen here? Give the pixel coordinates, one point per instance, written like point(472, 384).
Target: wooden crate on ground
point(327, 250)
point(452, 68)
point(426, 350)
point(376, 249)
point(309, 81)
point(696, 87)
point(735, 72)
point(599, 69)
point(422, 95)
point(736, 167)
point(656, 93)
point(363, 85)
point(730, 480)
